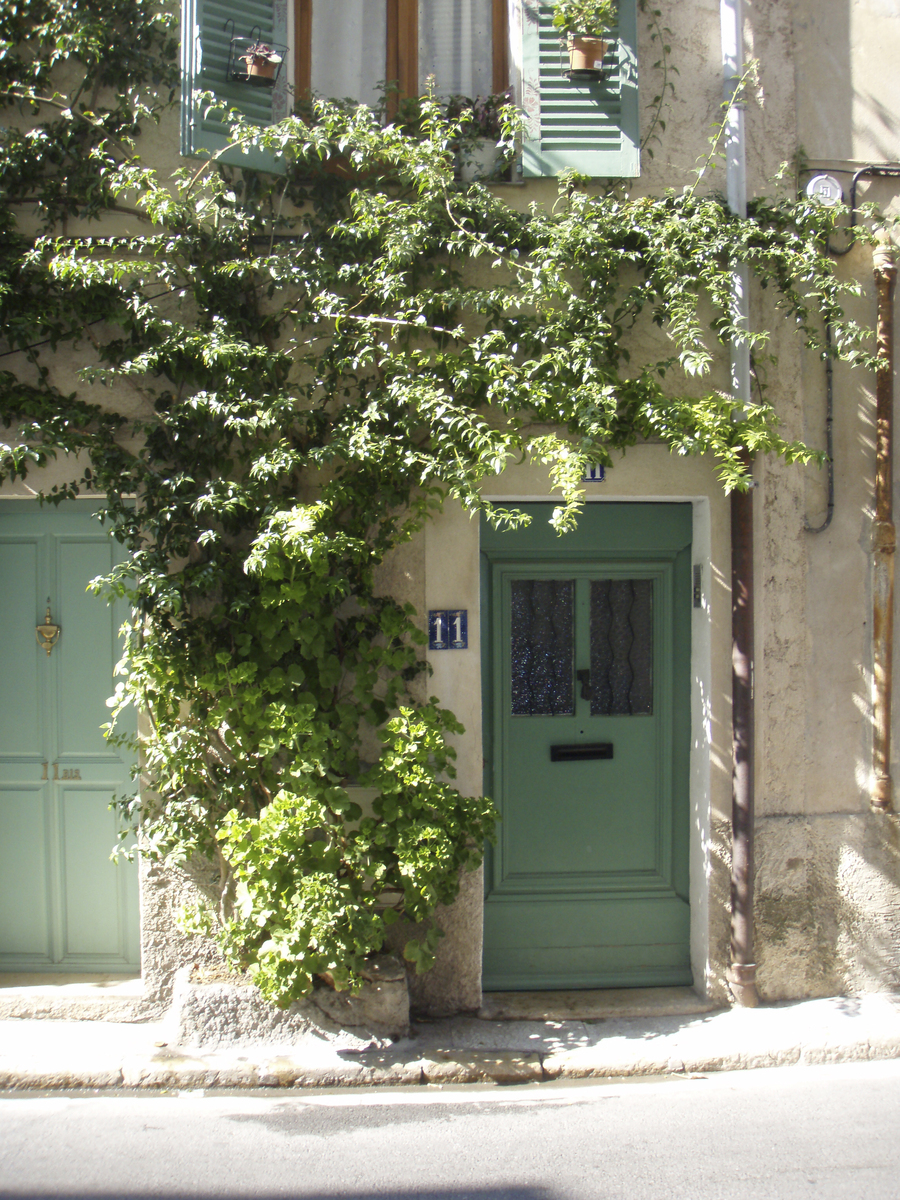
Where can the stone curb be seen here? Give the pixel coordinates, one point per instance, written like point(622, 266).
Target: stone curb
point(177, 1069)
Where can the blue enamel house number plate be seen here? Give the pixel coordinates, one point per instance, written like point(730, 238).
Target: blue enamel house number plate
point(448, 629)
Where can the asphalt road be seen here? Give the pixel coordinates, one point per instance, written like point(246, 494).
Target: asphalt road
point(793, 1132)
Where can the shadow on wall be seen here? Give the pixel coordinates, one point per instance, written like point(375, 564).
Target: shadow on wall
point(824, 80)
point(828, 904)
point(878, 127)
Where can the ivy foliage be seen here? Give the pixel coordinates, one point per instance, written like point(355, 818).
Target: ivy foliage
point(313, 361)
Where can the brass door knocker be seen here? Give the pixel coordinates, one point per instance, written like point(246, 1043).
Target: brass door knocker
point(48, 633)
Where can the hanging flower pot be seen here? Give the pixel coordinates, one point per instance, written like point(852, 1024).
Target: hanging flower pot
point(262, 63)
point(478, 152)
point(585, 56)
point(254, 61)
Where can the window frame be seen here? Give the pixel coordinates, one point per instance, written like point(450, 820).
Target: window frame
point(402, 59)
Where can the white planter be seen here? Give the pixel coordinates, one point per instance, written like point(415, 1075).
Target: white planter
point(482, 161)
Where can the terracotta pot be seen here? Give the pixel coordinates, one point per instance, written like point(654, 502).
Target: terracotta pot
point(261, 69)
point(586, 53)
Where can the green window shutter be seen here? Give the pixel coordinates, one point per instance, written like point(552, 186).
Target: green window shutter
point(206, 35)
point(591, 127)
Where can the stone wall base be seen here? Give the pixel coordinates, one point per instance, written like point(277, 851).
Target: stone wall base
point(827, 905)
point(211, 1010)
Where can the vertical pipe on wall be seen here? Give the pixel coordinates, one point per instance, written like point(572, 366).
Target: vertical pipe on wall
point(829, 438)
point(742, 971)
point(884, 535)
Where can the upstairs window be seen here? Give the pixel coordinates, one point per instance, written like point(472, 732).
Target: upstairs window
point(348, 49)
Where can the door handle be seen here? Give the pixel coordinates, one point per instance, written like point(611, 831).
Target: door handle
point(584, 678)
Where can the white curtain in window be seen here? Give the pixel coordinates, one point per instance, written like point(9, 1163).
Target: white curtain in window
point(349, 48)
point(455, 46)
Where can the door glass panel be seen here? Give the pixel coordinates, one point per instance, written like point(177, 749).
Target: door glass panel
point(542, 621)
point(621, 647)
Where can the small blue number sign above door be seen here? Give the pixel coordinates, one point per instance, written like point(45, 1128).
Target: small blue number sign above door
point(448, 629)
point(594, 473)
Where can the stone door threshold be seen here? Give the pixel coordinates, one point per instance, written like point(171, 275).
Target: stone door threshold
point(598, 1005)
point(67, 996)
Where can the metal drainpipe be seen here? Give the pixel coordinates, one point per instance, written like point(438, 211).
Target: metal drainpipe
point(884, 539)
point(829, 438)
point(888, 170)
point(742, 971)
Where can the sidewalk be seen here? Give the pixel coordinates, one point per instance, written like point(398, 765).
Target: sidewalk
point(52, 1054)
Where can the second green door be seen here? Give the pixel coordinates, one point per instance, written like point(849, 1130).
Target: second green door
point(64, 906)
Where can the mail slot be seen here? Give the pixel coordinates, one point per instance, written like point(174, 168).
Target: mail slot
point(581, 752)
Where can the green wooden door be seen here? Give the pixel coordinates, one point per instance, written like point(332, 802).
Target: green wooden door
point(587, 725)
point(64, 906)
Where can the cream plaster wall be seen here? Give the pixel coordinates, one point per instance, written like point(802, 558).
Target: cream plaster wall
point(845, 57)
point(828, 901)
point(828, 885)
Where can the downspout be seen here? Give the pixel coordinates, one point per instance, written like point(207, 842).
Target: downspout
point(884, 536)
point(870, 172)
point(829, 438)
point(742, 971)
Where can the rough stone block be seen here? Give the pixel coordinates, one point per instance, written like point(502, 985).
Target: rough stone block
point(211, 1012)
point(382, 1004)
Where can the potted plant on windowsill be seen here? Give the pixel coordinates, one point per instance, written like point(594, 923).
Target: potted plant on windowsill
point(480, 154)
point(587, 26)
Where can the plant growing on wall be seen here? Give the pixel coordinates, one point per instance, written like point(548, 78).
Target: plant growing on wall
point(312, 364)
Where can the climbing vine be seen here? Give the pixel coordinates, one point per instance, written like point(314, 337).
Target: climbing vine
point(312, 361)
point(654, 125)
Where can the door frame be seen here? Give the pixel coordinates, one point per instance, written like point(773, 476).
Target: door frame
point(701, 867)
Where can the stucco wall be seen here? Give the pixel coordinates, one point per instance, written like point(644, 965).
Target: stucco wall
point(828, 900)
point(827, 889)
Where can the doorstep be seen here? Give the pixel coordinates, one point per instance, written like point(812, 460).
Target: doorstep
point(70, 996)
point(598, 1005)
